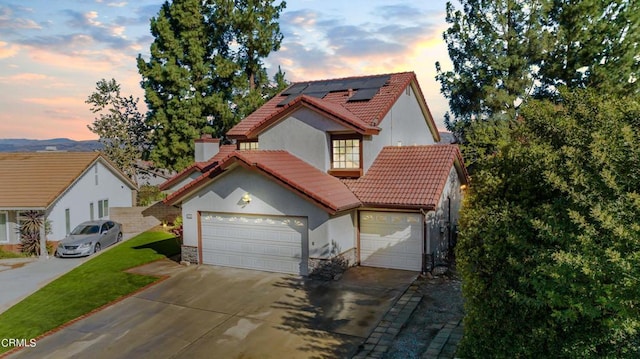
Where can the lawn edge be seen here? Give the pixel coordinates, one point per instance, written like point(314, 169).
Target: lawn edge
point(159, 279)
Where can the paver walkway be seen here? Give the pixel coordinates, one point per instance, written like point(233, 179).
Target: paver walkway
point(443, 346)
point(385, 332)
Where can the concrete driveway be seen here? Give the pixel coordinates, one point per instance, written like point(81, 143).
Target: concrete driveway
point(217, 312)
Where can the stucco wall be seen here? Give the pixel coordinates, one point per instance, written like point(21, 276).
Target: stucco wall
point(404, 123)
point(86, 191)
point(267, 198)
point(303, 134)
point(443, 221)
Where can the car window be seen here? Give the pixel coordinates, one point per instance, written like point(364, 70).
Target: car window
point(109, 224)
point(85, 229)
point(104, 228)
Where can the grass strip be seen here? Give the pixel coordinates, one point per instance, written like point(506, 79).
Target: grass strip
point(96, 282)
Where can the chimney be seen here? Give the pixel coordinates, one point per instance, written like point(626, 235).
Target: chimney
point(206, 147)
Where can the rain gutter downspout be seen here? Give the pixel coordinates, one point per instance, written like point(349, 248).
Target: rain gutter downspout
point(426, 242)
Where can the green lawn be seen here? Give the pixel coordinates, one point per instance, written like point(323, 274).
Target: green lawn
point(91, 285)
point(5, 255)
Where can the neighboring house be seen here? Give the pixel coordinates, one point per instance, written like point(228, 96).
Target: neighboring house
point(149, 175)
point(343, 168)
point(69, 187)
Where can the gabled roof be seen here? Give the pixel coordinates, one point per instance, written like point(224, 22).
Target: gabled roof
point(363, 116)
point(37, 179)
point(200, 167)
point(284, 168)
point(408, 176)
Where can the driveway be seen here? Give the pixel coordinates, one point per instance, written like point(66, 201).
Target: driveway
point(208, 311)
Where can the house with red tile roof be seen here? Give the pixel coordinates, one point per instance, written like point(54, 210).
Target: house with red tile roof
point(344, 168)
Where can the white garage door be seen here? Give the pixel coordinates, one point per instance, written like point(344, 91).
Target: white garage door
point(268, 243)
point(391, 240)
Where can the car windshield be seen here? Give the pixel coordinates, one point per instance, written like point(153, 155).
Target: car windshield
point(86, 229)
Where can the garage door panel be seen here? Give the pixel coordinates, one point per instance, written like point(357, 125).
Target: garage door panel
point(391, 240)
point(266, 243)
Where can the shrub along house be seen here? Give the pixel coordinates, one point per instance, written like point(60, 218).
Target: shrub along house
point(335, 168)
point(67, 187)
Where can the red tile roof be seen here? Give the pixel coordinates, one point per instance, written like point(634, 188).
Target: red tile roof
point(408, 176)
point(284, 168)
point(362, 116)
point(201, 167)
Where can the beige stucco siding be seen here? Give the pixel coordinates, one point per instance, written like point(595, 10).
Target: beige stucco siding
point(225, 194)
point(304, 134)
point(404, 124)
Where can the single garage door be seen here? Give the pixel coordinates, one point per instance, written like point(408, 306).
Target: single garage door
point(268, 243)
point(391, 240)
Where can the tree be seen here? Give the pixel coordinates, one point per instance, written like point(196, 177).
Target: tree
point(205, 72)
point(493, 46)
point(591, 44)
point(507, 52)
point(549, 245)
point(121, 127)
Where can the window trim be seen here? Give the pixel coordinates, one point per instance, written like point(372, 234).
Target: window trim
point(103, 208)
point(250, 142)
point(346, 172)
point(6, 224)
point(67, 220)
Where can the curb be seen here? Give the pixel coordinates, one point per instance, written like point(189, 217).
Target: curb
point(393, 321)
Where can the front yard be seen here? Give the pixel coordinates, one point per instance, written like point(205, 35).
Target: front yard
point(97, 282)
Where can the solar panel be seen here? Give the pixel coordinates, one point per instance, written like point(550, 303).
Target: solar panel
point(295, 89)
point(366, 88)
point(364, 94)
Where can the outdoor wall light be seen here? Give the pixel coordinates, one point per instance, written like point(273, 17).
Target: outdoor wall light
point(246, 198)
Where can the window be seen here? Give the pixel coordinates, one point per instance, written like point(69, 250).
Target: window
point(91, 212)
point(346, 155)
point(248, 145)
point(103, 208)
point(67, 220)
point(4, 227)
point(96, 173)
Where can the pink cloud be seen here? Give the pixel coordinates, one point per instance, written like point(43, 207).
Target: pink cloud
point(8, 50)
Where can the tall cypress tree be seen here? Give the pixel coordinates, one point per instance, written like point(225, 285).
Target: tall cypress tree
point(202, 76)
point(508, 51)
point(493, 46)
point(594, 44)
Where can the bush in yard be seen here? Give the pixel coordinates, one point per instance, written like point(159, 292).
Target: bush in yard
point(549, 245)
point(29, 230)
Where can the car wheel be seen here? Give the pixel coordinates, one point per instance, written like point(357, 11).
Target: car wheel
point(119, 237)
point(96, 248)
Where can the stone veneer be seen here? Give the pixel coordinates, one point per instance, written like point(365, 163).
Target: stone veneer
point(332, 268)
point(189, 254)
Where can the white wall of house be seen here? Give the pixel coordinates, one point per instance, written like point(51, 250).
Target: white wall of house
point(404, 123)
point(267, 198)
point(188, 179)
point(304, 135)
point(96, 184)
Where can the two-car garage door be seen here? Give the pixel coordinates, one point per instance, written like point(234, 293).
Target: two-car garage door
point(391, 240)
point(268, 243)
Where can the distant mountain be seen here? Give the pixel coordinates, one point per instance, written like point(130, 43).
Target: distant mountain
point(60, 144)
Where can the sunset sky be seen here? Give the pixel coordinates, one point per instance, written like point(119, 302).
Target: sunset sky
point(52, 53)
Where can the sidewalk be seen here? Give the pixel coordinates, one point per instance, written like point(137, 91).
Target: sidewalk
point(20, 277)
